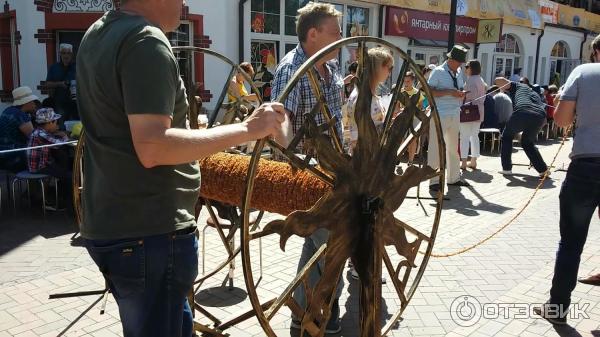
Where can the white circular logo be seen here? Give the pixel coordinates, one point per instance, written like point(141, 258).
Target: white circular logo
point(465, 311)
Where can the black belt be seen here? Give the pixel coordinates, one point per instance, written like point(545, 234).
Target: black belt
point(593, 160)
point(183, 231)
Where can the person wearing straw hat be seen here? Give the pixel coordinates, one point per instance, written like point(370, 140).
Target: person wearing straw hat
point(15, 128)
point(61, 81)
point(446, 82)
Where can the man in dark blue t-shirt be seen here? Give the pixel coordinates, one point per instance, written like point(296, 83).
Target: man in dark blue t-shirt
point(61, 82)
point(529, 116)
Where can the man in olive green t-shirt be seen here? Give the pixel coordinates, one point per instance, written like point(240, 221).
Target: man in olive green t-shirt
point(141, 175)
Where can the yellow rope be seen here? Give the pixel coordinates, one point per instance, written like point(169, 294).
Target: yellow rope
point(512, 220)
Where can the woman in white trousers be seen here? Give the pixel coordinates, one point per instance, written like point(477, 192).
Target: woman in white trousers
point(469, 131)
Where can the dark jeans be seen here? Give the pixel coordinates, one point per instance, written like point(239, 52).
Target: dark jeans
point(61, 168)
point(579, 197)
point(150, 278)
point(530, 125)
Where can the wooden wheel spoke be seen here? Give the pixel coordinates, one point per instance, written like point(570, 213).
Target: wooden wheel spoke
point(302, 223)
point(421, 129)
point(398, 285)
point(331, 122)
point(212, 117)
point(387, 125)
point(302, 274)
point(224, 239)
point(412, 230)
point(400, 185)
point(257, 222)
point(301, 163)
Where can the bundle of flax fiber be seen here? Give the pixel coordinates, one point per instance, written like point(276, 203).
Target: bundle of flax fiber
point(278, 188)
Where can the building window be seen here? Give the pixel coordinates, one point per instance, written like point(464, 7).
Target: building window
point(182, 37)
point(508, 44)
point(357, 21)
point(291, 11)
point(265, 16)
point(264, 58)
point(560, 50)
point(273, 27)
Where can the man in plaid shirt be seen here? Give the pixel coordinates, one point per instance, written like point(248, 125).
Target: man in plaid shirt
point(321, 28)
point(317, 26)
point(49, 160)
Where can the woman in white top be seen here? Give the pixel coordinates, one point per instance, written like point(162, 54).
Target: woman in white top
point(469, 132)
point(382, 62)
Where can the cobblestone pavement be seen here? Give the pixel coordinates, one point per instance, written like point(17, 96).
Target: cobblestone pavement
point(38, 258)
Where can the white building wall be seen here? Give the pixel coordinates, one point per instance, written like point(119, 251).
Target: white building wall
point(221, 25)
point(552, 35)
point(527, 43)
point(32, 54)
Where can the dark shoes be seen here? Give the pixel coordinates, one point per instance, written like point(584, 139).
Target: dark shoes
point(553, 313)
point(459, 183)
point(593, 280)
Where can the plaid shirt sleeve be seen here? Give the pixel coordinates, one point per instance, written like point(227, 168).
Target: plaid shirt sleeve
point(40, 158)
point(50, 138)
point(283, 76)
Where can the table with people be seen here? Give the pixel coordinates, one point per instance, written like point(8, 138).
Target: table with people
point(31, 141)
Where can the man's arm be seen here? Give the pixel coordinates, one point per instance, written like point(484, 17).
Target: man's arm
point(26, 128)
point(565, 113)
point(447, 92)
point(434, 83)
point(156, 143)
point(567, 100)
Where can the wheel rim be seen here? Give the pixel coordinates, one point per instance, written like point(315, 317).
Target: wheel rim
point(264, 316)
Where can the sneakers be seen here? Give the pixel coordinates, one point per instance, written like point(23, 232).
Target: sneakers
point(506, 172)
point(552, 313)
point(333, 326)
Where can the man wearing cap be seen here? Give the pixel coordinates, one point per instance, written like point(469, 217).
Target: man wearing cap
point(15, 128)
point(51, 161)
point(142, 178)
point(61, 76)
point(447, 84)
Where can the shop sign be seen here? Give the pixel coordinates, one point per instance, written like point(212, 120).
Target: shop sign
point(431, 26)
point(549, 11)
point(489, 31)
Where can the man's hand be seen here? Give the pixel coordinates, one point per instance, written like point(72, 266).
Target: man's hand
point(266, 120)
point(459, 93)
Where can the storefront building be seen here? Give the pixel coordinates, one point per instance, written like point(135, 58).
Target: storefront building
point(32, 30)
point(538, 39)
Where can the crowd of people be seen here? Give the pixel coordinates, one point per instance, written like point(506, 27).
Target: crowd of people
point(33, 125)
point(30, 141)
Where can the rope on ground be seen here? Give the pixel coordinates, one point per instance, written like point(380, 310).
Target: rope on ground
point(38, 147)
point(512, 220)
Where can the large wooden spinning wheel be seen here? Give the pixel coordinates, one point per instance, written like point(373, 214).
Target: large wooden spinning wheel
point(360, 210)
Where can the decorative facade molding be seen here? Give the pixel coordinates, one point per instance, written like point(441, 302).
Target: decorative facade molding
point(82, 6)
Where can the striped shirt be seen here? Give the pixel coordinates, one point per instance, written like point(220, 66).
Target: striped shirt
point(525, 100)
point(301, 99)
